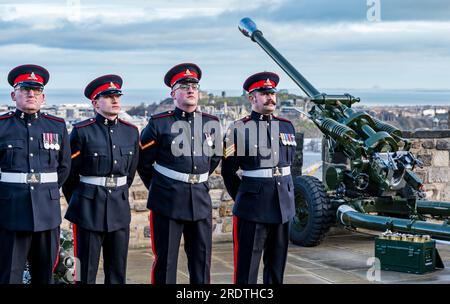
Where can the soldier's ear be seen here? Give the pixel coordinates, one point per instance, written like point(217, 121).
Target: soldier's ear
point(13, 96)
point(94, 103)
point(251, 98)
point(172, 94)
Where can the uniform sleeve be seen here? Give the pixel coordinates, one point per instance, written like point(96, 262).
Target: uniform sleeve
point(74, 177)
point(294, 148)
point(134, 163)
point(230, 165)
point(148, 152)
point(215, 159)
point(64, 163)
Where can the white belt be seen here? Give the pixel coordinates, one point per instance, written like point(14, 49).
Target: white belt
point(272, 172)
point(182, 177)
point(110, 182)
point(28, 178)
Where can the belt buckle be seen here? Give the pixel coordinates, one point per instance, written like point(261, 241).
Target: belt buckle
point(276, 172)
point(111, 182)
point(194, 178)
point(33, 178)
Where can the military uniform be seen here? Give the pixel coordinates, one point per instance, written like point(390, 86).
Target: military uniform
point(34, 162)
point(104, 160)
point(264, 196)
point(178, 189)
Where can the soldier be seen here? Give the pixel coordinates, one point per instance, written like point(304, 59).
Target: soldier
point(178, 199)
point(34, 163)
point(104, 160)
point(264, 197)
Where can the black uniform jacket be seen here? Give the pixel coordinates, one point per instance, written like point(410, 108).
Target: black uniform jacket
point(259, 199)
point(32, 206)
point(169, 197)
point(105, 148)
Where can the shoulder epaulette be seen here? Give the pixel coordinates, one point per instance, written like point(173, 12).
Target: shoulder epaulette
point(127, 123)
point(163, 114)
point(48, 116)
point(245, 119)
point(7, 115)
point(210, 116)
point(282, 119)
point(84, 123)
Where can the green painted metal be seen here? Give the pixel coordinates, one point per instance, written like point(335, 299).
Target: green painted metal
point(352, 218)
point(378, 174)
point(410, 257)
point(435, 208)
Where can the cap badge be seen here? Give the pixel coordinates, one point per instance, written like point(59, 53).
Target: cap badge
point(187, 72)
point(32, 76)
point(112, 86)
point(267, 83)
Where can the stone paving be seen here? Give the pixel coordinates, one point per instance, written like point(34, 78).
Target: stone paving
point(340, 259)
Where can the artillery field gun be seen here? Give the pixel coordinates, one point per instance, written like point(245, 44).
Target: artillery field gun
point(370, 181)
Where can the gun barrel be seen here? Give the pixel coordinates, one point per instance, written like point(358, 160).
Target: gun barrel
point(249, 29)
point(348, 216)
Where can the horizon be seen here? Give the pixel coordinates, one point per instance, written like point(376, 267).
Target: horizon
point(369, 97)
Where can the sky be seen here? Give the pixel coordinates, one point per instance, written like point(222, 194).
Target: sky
point(359, 44)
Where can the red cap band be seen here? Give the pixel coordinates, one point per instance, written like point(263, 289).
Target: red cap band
point(29, 77)
point(185, 74)
point(104, 87)
point(262, 84)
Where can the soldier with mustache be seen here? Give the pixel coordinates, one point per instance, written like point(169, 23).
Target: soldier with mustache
point(263, 147)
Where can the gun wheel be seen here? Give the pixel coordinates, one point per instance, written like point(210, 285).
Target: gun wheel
point(313, 212)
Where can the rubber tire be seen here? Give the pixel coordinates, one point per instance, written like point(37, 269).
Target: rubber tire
point(320, 217)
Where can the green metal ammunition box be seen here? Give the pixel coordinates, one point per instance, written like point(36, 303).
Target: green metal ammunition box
point(404, 256)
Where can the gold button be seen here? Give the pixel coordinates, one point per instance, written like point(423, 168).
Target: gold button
point(32, 188)
point(114, 146)
point(31, 138)
point(9, 146)
point(115, 161)
point(95, 154)
point(31, 170)
point(31, 154)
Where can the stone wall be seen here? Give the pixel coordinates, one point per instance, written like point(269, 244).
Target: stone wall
point(433, 149)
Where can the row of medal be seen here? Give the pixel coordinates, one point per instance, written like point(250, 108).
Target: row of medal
point(51, 141)
point(288, 139)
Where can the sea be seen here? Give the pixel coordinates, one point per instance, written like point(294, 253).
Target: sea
point(369, 97)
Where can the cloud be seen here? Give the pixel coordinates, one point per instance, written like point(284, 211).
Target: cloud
point(326, 11)
point(331, 42)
